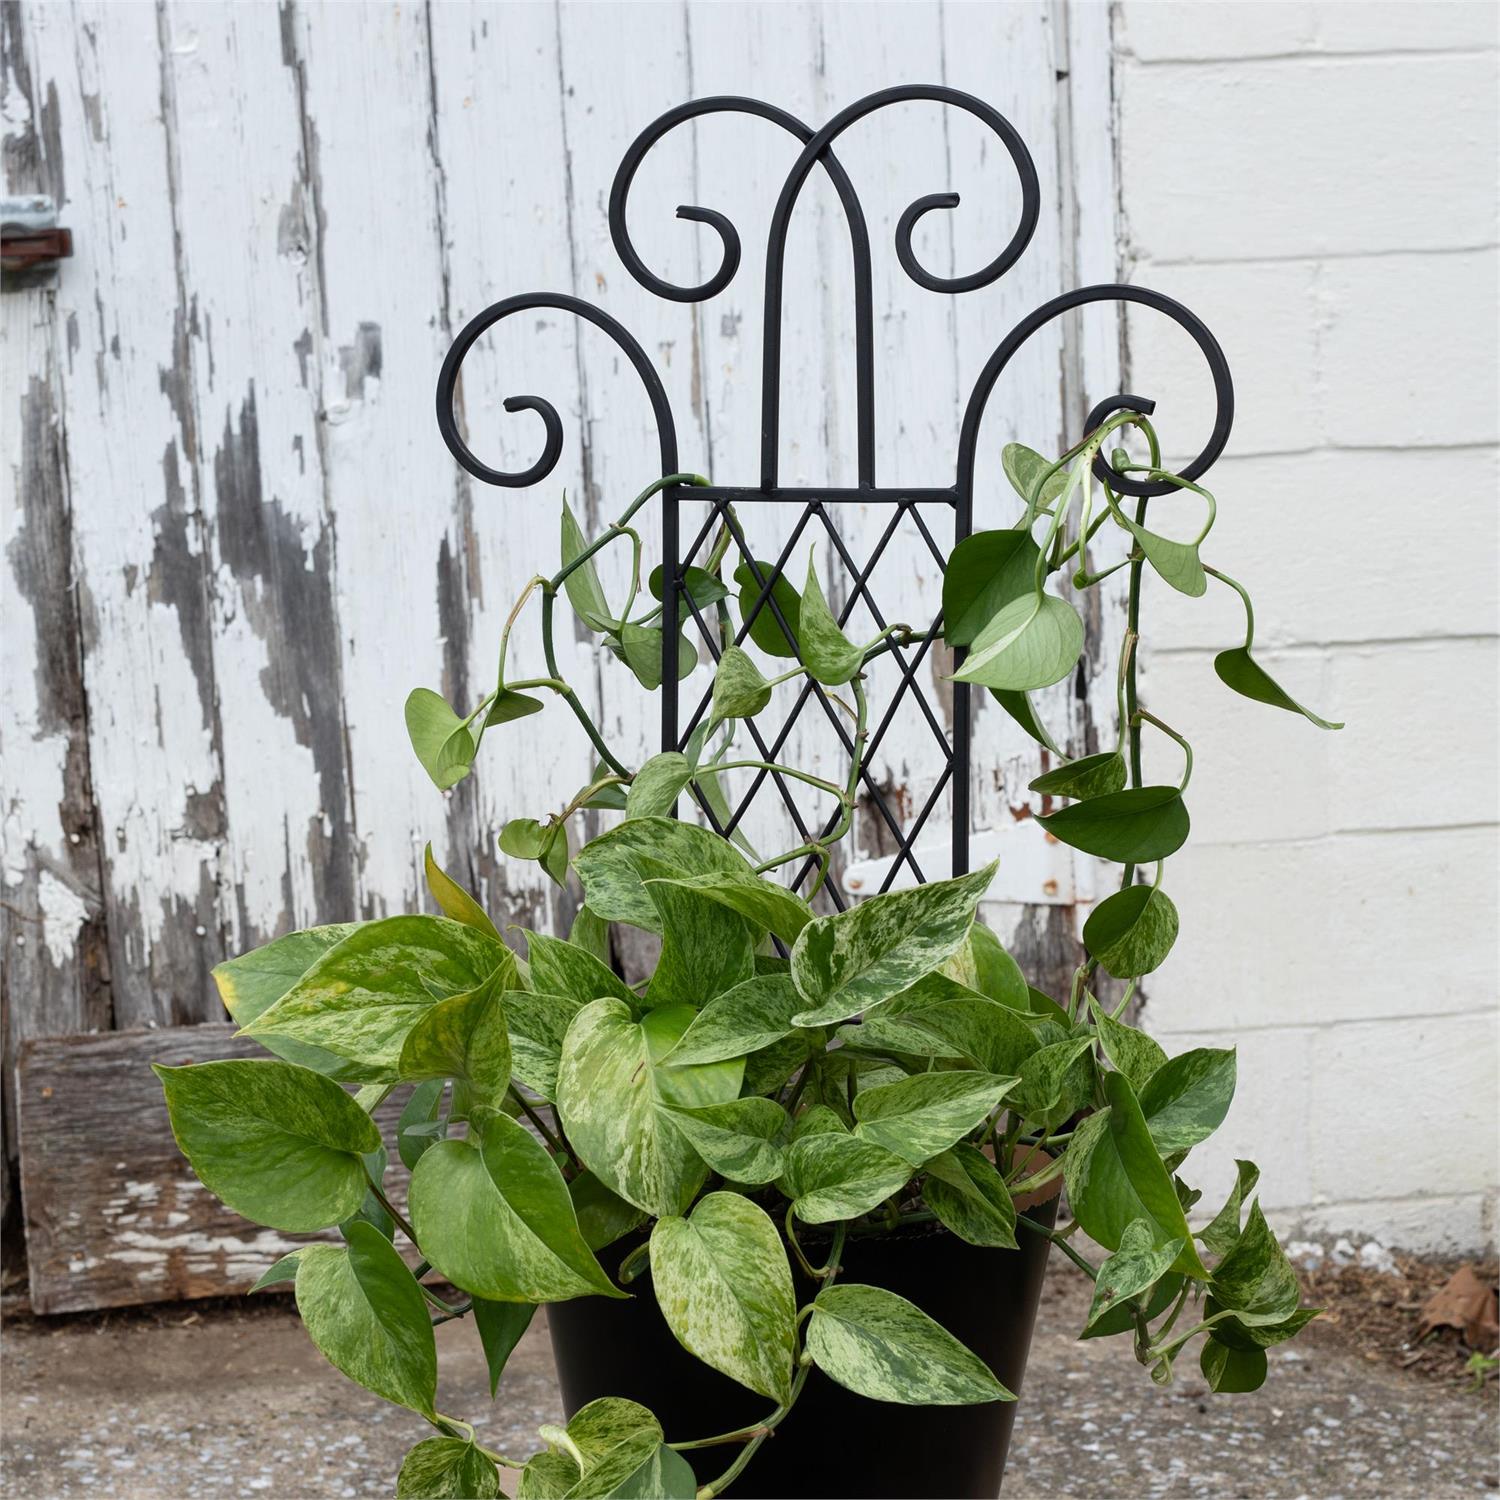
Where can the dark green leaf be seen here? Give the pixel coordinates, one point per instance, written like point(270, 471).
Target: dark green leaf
point(445, 1468)
point(554, 855)
point(1120, 1318)
point(725, 1289)
point(1093, 776)
point(768, 1068)
point(1230, 1371)
point(765, 629)
point(698, 583)
point(1138, 1264)
point(1130, 827)
point(362, 997)
point(420, 1123)
point(844, 963)
point(1256, 1279)
point(1033, 642)
point(443, 744)
point(970, 1197)
point(1132, 931)
point(1018, 706)
point(607, 865)
point(925, 1114)
point(1220, 1235)
point(493, 1214)
point(657, 785)
point(613, 1086)
point(882, 1346)
point(830, 656)
point(985, 572)
point(603, 1216)
point(282, 1271)
point(500, 1326)
point(1186, 1099)
point(365, 1312)
point(740, 690)
point(1239, 670)
point(834, 1176)
point(280, 1144)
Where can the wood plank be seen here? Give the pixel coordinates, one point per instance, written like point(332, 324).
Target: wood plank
point(54, 968)
point(114, 1214)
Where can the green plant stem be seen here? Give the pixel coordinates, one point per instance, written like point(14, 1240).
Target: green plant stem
point(591, 729)
point(1160, 1351)
point(546, 1133)
point(397, 1216)
point(631, 1265)
point(1061, 1244)
point(453, 1310)
point(831, 787)
point(1244, 594)
point(1166, 729)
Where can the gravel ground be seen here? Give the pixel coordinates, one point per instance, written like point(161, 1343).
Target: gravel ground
point(191, 1402)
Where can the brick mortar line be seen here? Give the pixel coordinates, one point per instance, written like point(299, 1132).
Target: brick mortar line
point(1311, 57)
point(1339, 1023)
point(1313, 258)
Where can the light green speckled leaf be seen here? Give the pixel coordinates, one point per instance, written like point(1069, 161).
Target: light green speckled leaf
point(364, 1310)
point(830, 656)
point(922, 1115)
point(706, 948)
point(362, 997)
point(548, 1475)
point(1137, 1264)
point(657, 785)
point(763, 903)
point(737, 1139)
point(970, 1197)
point(538, 1023)
point(830, 1175)
point(1090, 776)
point(612, 1082)
point(740, 689)
point(1056, 1081)
point(607, 865)
point(280, 1144)
point(750, 1016)
point(1186, 1099)
point(638, 1469)
point(1134, 1053)
point(991, 1034)
point(565, 968)
point(444, 1468)
point(465, 1038)
point(1115, 1175)
point(1132, 931)
point(845, 963)
point(724, 1286)
point(884, 1347)
point(495, 1217)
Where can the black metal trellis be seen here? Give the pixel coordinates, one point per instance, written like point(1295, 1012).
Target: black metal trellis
point(817, 501)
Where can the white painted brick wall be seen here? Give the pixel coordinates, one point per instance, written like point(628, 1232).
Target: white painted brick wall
point(1317, 180)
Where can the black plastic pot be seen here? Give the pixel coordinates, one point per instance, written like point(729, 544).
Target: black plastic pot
point(832, 1443)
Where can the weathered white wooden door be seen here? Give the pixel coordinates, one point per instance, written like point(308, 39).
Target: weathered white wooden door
point(233, 539)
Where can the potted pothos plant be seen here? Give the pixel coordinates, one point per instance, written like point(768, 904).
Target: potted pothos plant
point(788, 1199)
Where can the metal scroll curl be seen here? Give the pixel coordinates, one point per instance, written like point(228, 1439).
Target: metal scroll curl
point(447, 418)
point(1128, 484)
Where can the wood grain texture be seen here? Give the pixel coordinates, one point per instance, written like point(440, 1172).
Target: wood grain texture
point(235, 536)
point(114, 1214)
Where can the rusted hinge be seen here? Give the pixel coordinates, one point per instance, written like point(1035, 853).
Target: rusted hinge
point(30, 239)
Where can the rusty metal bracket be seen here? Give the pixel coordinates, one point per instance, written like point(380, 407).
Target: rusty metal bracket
point(30, 239)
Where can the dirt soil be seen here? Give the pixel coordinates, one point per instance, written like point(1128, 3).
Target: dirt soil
point(209, 1399)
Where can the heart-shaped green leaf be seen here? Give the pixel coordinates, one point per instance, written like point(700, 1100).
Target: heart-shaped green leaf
point(524, 838)
point(1034, 641)
point(1220, 1235)
point(706, 948)
point(832, 1175)
point(1186, 1099)
point(445, 1468)
point(442, 742)
point(829, 655)
point(1231, 1371)
point(564, 968)
point(765, 629)
point(364, 1310)
point(698, 583)
point(500, 1326)
point(970, 1197)
point(1137, 1264)
point(278, 1143)
point(1130, 827)
point(725, 1289)
point(1178, 563)
point(740, 690)
point(493, 1214)
point(1024, 468)
point(844, 963)
point(603, 1216)
point(585, 592)
point(508, 704)
point(737, 1139)
point(453, 900)
point(613, 1088)
point(640, 648)
point(1092, 776)
point(1056, 1081)
point(985, 572)
point(1115, 1175)
point(1134, 1053)
point(1132, 931)
point(362, 997)
point(922, 1115)
point(765, 905)
point(465, 1038)
point(882, 1346)
point(611, 877)
point(1239, 670)
point(657, 785)
point(752, 1015)
point(538, 1021)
